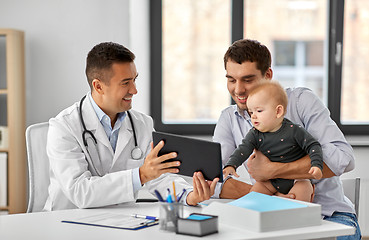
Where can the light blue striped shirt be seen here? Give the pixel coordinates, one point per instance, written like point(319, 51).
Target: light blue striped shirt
point(105, 120)
point(112, 134)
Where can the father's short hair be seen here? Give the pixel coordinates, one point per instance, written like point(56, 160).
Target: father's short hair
point(101, 58)
point(247, 50)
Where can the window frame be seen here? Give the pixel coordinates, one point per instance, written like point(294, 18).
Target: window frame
point(335, 35)
point(336, 23)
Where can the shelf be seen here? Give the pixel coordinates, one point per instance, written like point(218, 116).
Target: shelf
point(12, 99)
point(6, 208)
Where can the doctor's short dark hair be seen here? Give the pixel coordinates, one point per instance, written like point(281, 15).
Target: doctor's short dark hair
point(101, 58)
point(248, 50)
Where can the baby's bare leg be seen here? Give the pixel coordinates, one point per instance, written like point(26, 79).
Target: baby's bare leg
point(303, 190)
point(263, 187)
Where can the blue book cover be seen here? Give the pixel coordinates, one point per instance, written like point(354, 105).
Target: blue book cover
point(264, 203)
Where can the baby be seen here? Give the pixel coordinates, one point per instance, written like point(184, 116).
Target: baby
point(278, 139)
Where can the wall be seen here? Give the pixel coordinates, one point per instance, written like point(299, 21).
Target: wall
point(58, 36)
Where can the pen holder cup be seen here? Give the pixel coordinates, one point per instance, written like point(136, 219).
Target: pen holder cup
point(169, 214)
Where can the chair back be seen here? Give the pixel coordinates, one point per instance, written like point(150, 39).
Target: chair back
point(351, 188)
point(38, 166)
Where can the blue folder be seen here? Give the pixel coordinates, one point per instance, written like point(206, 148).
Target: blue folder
point(263, 203)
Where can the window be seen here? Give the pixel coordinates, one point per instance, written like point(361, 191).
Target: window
point(285, 53)
point(355, 60)
point(295, 32)
point(194, 37)
point(306, 39)
point(300, 64)
point(349, 57)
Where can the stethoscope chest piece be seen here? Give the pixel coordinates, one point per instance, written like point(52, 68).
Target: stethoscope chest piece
point(136, 153)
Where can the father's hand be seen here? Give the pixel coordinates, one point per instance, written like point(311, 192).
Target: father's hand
point(288, 195)
point(153, 166)
point(260, 167)
point(202, 189)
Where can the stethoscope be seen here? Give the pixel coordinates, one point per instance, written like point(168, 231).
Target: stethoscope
point(136, 152)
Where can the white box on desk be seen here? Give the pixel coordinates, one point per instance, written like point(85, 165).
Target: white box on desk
point(264, 221)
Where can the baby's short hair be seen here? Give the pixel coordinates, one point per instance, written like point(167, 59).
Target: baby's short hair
point(275, 90)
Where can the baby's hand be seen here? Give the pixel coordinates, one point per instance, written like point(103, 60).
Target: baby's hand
point(230, 171)
point(316, 172)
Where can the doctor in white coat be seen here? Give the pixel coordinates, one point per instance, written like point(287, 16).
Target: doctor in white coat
point(100, 153)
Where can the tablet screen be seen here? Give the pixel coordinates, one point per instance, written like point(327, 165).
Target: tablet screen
point(194, 154)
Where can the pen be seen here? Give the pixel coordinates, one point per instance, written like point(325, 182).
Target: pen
point(169, 197)
point(144, 216)
point(180, 197)
point(158, 195)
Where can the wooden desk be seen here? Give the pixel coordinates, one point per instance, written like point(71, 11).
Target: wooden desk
point(48, 225)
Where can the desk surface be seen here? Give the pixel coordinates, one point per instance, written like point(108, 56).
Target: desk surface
point(48, 225)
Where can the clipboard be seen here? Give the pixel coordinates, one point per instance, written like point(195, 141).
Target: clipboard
point(113, 220)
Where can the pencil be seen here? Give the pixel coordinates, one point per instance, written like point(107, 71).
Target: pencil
point(174, 191)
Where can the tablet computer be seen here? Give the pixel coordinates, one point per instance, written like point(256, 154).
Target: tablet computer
point(194, 154)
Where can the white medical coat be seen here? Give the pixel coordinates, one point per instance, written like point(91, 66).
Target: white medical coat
point(77, 181)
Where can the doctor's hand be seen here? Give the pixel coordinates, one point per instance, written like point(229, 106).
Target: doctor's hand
point(154, 167)
point(202, 189)
point(260, 167)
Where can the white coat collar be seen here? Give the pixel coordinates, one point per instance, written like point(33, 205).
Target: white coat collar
point(93, 124)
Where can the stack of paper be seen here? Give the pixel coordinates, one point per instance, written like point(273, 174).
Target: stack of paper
point(259, 212)
point(3, 179)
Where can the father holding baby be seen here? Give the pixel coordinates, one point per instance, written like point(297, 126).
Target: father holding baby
point(247, 62)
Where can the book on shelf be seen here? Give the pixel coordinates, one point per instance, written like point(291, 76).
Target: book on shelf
point(3, 179)
point(4, 135)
